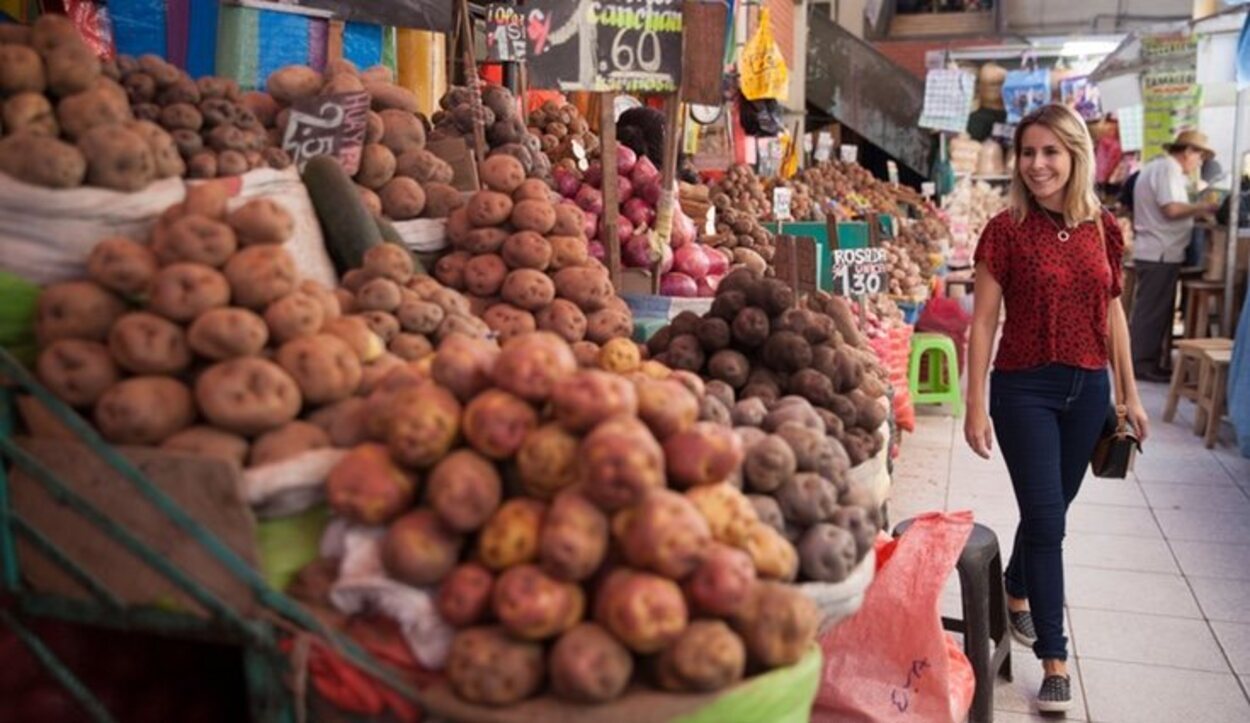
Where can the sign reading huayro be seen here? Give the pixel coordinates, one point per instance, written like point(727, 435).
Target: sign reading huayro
point(600, 45)
point(328, 125)
point(857, 272)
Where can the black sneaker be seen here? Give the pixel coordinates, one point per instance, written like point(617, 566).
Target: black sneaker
point(1021, 624)
point(1055, 695)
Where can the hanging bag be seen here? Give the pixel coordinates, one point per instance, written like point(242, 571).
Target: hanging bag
point(1118, 443)
point(763, 68)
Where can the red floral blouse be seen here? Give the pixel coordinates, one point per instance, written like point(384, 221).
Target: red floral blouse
point(1056, 292)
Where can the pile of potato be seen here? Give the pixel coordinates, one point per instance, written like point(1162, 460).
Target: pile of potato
point(971, 206)
point(740, 233)
point(216, 134)
point(506, 132)
point(740, 188)
point(522, 260)
point(210, 322)
point(397, 177)
point(65, 119)
point(558, 128)
point(907, 278)
point(577, 525)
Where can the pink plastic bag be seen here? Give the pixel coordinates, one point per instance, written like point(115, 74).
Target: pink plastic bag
point(892, 661)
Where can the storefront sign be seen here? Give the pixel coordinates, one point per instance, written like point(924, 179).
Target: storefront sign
point(857, 272)
point(601, 45)
point(1173, 101)
point(505, 33)
point(328, 125)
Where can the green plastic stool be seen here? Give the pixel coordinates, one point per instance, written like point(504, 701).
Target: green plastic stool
point(941, 384)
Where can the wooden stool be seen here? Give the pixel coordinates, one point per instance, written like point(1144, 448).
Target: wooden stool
point(1187, 370)
point(1212, 387)
point(1198, 297)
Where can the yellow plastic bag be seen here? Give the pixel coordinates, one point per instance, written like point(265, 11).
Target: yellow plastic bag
point(762, 67)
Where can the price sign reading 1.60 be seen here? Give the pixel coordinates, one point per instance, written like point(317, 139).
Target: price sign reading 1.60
point(858, 272)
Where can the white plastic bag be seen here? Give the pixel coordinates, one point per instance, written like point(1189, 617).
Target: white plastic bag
point(291, 486)
point(46, 234)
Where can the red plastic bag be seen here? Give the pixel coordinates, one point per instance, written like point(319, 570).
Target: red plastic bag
point(892, 661)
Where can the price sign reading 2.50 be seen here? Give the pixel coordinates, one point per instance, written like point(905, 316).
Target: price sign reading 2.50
point(859, 272)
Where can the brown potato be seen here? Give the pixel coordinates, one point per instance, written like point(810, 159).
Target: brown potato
point(402, 131)
point(99, 106)
point(195, 239)
point(707, 656)
point(607, 324)
point(181, 117)
point(402, 198)
point(232, 163)
point(293, 82)
point(535, 606)
point(202, 164)
point(563, 318)
point(30, 112)
point(589, 396)
point(209, 442)
point(76, 371)
point(464, 595)
point(424, 423)
point(410, 347)
point(588, 287)
point(122, 265)
point(378, 295)
point(385, 326)
point(377, 166)
point(527, 289)
point(511, 535)
point(260, 275)
point(423, 167)
point(325, 298)
point(51, 31)
point(484, 240)
point(441, 199)
point(527, 250)
point(248, 395)
point(344, 421)
point(534, 189)
point(169, 163)
point(287, 441)
point(376, 371)
point(294, 315)
point(778, 624)
point(418, 549)
point(570, 221)
point(529, 365)
point(508, 322)
point(144, 410)
point(386, 96)
point(547, 461)
point(465, 489)
point(182, 291)
point(665, 533)
point(488, 208)
point(262, 221)
point(41, 160)
point(588, 665)
point(71, 68)
point(646, 612)
point(117, 158)
point(344, 83)
point(496, 423)
point(144, 343)
point(324, 366)
point(262, 105)
point(389, 261)
point(489, 667)
point(21, 70)
point(502, 173)
point(75, 310)
point(619, 462)
point(354, 330)
point(229, 332)
point(371, 200)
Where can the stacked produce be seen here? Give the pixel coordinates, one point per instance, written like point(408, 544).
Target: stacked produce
point(742, 189)
point(210, 321)
point(577, 525)
point(740, 233)
point(971, 206)
point(216, 133)
point(66, 120)
point(878, 315)
point(564, 136)
point(523, 261)
point(907, 278)
point(506, 132)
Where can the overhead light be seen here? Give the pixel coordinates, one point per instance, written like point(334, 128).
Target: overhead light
point(1076, 48)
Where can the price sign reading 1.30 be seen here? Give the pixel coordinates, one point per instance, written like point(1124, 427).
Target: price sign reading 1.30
point(858, 272)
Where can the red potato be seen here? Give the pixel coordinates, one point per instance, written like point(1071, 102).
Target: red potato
point(260, 275)
point(666, 534)
point(532, 605)
point(588, 665)
point(183, 291)
point(496, 423)
point(666, 406)
point(705, 453)
point(527, 289)
point(529, 365)
point(707, 656)
point(424, 423)
point(464, 595)
point(489, 667)
point(547, 461)
point(367, 487)
point(574, 538)
point(722, 582)
point(388, 261)
point(463, 365)
point(294, 315)
point(620, 461)
point(195, 239)
point(511, 535)
point(465, 489)
point(285, 442)
point(325, 367)
point(418, 549)
point(589, 397)
point(645, 612)
point(262, 221)
point(122, 266)
point(563, 318)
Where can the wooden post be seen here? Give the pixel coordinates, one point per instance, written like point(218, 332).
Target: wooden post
point(471, 80)
point(668, 197)
point(611, 210)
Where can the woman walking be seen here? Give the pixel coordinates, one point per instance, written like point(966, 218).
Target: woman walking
point(1053, 260)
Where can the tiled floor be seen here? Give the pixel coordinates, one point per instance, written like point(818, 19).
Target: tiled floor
point(1158, 571)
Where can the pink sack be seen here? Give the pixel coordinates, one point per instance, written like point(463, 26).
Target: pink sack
point(892, 661)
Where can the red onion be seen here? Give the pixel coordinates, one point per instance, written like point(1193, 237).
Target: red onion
point(717, 264)
point(594, 175)
point(691, 260)
point(644, 172)
point(707, 285)
point(678, 284)
point(684, 231)
point(566, 182)
point(597, 250)
point(590, 199)
point(649, 191)
point(624, 189)
point(636, 252)
point(666, 258)
point(590, 225)
point(638, 212)
point(624, 229)
point(625, 159)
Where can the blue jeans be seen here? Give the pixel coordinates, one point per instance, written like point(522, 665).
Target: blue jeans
point(1047, 421)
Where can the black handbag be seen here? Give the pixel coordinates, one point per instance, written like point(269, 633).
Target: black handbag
point(1117, 444)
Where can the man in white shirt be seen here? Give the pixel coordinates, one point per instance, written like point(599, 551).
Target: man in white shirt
point(1163, 222)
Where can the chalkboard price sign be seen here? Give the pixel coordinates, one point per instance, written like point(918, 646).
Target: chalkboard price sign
point(505, 33)
point(857, 272)
point(599, 45)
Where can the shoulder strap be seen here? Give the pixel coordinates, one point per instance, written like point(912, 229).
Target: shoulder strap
point(1118, 384)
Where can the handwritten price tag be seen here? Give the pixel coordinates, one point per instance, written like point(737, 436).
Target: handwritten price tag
point(328, 125)
point(859, 272)
point(781, 203)
point(505, 33)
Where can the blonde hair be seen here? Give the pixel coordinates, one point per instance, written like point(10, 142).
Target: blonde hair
point(1080, 201)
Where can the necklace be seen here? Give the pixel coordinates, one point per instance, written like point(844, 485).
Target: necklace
point(1064, 234)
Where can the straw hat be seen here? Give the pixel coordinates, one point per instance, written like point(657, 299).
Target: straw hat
point(1191, 139)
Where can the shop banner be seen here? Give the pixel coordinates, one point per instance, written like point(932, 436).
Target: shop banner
point(1025, 91)
point(421, 14)
point(1081, 95)
point(948, 95)
point(1173, 102)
